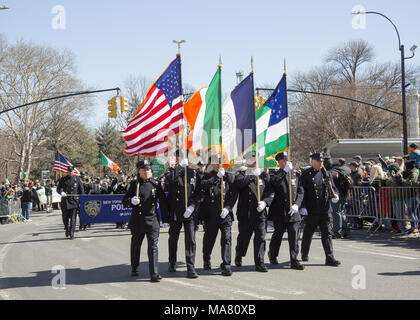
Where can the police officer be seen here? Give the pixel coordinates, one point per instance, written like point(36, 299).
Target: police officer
point(251, 211)
point(120, 187)
point(69, 187)
point(142, 196)
point(181, 214)
point(217, 217)
point(317, 202)
point(285, 216)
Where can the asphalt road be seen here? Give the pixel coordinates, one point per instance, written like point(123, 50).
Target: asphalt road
point(96, 266)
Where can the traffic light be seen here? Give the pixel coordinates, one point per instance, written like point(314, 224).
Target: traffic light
point(112, 107)
point(123, 104)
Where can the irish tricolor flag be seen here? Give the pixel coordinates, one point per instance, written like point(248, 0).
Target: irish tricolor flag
point(105, 161)
point(273, 134)
point(203, 113)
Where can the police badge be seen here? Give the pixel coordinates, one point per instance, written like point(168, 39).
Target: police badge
point(92, 208)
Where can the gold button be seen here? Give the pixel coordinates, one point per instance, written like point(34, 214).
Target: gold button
point(177, 199)
point(315, 184)
point(212, 200)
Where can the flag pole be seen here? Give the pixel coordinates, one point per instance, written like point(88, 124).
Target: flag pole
point(256, 141)
point(288, 130)
point(221, 128)
point(184, 135)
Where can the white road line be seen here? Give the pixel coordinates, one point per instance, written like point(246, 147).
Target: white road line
point(376, 253)
point(251, 294)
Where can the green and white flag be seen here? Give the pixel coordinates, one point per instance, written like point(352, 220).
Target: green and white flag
point(273, 134)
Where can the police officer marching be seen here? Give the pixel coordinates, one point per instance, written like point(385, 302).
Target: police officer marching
point(69, 187)
point(251, 211)
point(142, 196)
point(319, 192)
point(180, 213)
point(217, 213)
point(285, 216)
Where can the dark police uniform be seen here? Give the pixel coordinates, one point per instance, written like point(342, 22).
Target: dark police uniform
point(71, 185)
point(175, 187)
point(198, 210)
point(249, 219)
point(211, 210)
point(279, 214)
point(144, 220)
point(317, 201)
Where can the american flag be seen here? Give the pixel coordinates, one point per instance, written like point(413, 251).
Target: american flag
point(158, 117)
point(61, 164)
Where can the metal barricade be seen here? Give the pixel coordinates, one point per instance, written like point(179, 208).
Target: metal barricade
point(11, 208)
point(400, 204)
point(362, 203)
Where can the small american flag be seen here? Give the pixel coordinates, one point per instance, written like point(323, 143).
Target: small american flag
point(159, 116)
point(61, 164)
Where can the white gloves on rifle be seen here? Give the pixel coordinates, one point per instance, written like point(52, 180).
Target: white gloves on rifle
point(294, 209)
point(184, 163)
point(257, 172)
point(221, 173)
point(189, 211)
point(289, 166)
point(261, 206)
point(224, 213)
point(63, 194)
point(335, 199)
point(303, 211)
point(135, 201)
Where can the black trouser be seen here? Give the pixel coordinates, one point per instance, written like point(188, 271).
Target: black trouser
point(292, 235)
point(189, 235)
point(210, 234)
point(137, 237)
point(246, 229)
point(69, 219)
point(324, 221)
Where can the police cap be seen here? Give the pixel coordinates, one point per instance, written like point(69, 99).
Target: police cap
point(143, 164)
point(282, 156)
point(317, 156)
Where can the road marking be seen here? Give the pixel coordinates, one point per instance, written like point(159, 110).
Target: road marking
point(359, 250)
point(254, 295)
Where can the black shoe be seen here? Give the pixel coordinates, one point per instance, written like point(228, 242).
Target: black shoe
point(274, 261)
point(261, 268)
point(297, 265)
point(238, 261)
point(134, 273)
point(192, 274)
point(226, 271)
point(332, 262)
point(155, 278)
point(207, 265)
point(67, 234)
point(71, 236)
point(305, 258)
point(171, 267)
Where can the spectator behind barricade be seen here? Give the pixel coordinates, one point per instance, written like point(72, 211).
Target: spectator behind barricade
point(48, 193)
point(377, 175)
point(400, 162)
point(409, 178)
point(358, 160)
point(415, 154)
point(397, 198)
point(368, 166)
point(393, 168)
point(342, 162)
point(356, 174)
point(26, 202)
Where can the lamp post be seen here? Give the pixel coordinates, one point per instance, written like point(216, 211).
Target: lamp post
point(403, 85)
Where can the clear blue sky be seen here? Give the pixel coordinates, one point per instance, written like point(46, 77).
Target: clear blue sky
point(113, 39)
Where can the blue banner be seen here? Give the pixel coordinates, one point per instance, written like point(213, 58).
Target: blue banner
point(103, 209)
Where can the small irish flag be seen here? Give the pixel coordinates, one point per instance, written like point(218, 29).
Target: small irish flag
point(105, 161)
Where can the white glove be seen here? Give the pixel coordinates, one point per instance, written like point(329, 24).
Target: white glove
point(303, 211)
point(261, 206)
point(135, 201)
point(189, 211)
point(63, 194)
point(224, 213)
point(289, 166)
point(294, 209)
point(257, 172)
point(221, 173)
point(184, 163)
point(335, 199)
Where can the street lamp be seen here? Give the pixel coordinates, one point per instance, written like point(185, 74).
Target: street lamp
point(403, 86)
